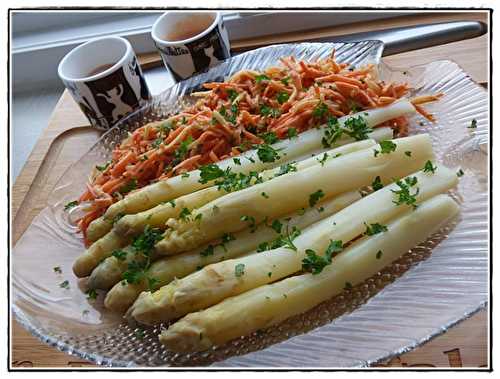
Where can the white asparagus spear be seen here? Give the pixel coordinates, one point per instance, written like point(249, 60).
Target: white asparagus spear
point(247, 207)
point(217, 281)
point(122, 295)
point(92, 258)
point(304, 144)
point(108, 272)
point(268, 305)
point(134, 224)
point(163, 247)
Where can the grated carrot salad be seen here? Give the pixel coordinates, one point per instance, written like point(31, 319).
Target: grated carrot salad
point(232, 116)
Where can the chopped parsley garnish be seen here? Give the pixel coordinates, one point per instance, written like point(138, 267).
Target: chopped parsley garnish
point(323, 159)
point(210, 172)
point(373, 229)
point(269, 274)
point(119, 254)
point(91, 294)
point(157, 142)
point(286, 168)
point(428, 167)
point(227, 237)
point(237, 161)
point(285, 80)
point(386, 147)
point(265, 195)
point(234, 182)
point(404, 195)
point(172, 203)
point(232, 94)
point(277, 226)
point(356, 127)
point(460, 173)
point(184, 175)
point(239, 270)
point(269, 137)
point(408, 153)
point(250, 220)
point(267, 153)
point(379, 254)
point(103, 167)
point(348, 285)
point(282, 97)
point(143, 246)
point(315, 263)
point(181, 152)
point(198, 217)
point(320, 110)
point(301, 211)
point(58, 270)
point(266, 110)
point(64, 284)
point(332, 132)
point(473, 124)
point(260, 78)
point(131, 185)
point(291, 133)
point(185, 213)
point(377, 184)
point(70, 205)
point(314, 197)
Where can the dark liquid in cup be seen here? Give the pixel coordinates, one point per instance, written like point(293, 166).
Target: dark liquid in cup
point(189, 27)
point(100, 69)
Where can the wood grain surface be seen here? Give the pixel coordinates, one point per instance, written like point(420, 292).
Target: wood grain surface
point(68, 136)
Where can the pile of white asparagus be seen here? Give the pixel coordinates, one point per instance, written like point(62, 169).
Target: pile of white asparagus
point(214, 265)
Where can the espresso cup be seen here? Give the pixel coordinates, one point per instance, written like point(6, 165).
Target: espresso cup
point(105, 79)
point(190, 42)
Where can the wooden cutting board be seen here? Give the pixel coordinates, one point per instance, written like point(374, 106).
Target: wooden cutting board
point(68, 136)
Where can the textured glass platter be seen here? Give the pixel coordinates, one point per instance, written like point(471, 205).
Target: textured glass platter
point(429, 289)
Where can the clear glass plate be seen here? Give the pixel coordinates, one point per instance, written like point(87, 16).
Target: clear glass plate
point(438, 283)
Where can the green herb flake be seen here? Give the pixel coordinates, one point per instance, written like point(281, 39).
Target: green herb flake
point(314, 197)
point(291, 133)
point(373, 229)
point(261, 78)
point(265, 195)
point(269, 274)
point(460, 173)
point(139, 333)
point(57, 270)
point(70, 205)
point(119, 254)
point(377, 184)
point(185, 213)
point(323, 159)
point(210, 172)
point(473, 124)
point(285, 80)
point(404, 195)
point(91, 294)
point(379, 254)
point(282, 97)
point(130, 186)
point(232, 94)
point(269, 137)
point(239, 270)
point(267, 153)
point(320, 110)
point(429, 167)
point(277, 226)
point(408, 153)
point(237, 161)
point(357, 128)
point(286, 168)
point(386, 147)
point(172, 203)
point(103, 167)
point(64, 284)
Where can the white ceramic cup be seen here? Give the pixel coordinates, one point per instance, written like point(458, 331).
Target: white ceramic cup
point(189, 56)
point(105, 79)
